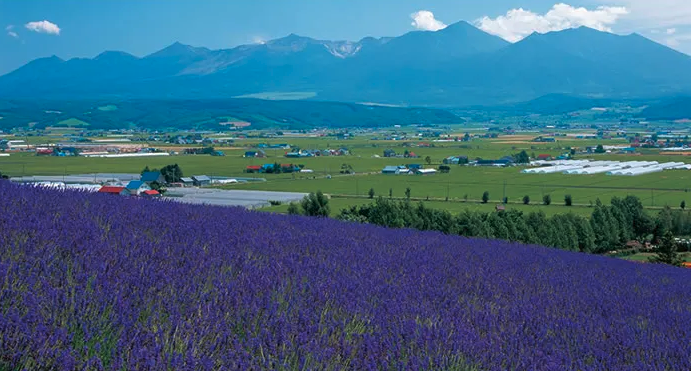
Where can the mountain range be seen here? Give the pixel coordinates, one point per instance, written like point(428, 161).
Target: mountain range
point(457, 66)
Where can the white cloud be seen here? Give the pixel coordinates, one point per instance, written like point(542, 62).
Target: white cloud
point(671, 31)
point(519, 23)
point(258, 40)
point(424, 20)
point(11, 33)
point(655, 13)
point(676, 40)
point(44, 26)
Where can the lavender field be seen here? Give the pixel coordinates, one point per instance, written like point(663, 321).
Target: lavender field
point(107, 283)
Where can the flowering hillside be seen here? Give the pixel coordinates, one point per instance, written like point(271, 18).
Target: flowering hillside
point(97, 282)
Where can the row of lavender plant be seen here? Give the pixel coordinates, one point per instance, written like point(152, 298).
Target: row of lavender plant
point(96, 282)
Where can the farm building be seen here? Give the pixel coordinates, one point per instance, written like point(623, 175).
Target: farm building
point(289, 168)
point(153, 176)
point(280, 146)
point(455, 160)
point(389, 153)
point(414, 166)
point(201, 180)
point(390, 170)
point(137, 187)
point(253, 169)
point(256, 154)
point(187, 182)
point(500, 162)
point(425, 171)
point(544, 157)
point(299, 154)
point(151, 193)
point(113, 190)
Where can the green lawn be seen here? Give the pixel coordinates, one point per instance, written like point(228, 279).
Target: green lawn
point(655, 190)
point(644, 257)
point(455, 207)
point(73, 122)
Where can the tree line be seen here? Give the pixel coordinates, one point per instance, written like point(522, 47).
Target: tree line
point(609, 228)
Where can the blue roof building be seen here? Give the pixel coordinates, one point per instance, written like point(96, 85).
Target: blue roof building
point(153, 176)
point(137, 187)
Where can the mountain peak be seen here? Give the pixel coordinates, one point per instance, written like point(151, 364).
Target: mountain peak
point(178, 49)
point(290, 39)
point(461, 25)
point(115, 55)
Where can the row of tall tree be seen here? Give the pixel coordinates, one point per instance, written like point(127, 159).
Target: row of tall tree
point(610, 227)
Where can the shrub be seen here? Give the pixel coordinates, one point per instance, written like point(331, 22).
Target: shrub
point(547, 199)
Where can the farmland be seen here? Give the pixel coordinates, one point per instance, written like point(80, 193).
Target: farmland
point(133, 286)
point(462, 188)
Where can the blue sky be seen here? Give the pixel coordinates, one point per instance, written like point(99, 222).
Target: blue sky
point(84, 28)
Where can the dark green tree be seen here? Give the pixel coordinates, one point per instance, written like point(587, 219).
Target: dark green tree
point(663, 223)
point(407, 193)
point(683, 205)
point(600, 149)
point(347, 169)
point(522, 158)
point(568, 201)
point(316, 204)
point(667, 251)
point(485, 197)
point(526, 200)
point(172, 173)
point(156, 186)
point(146, 170)
point(371, 193)
point(547, 200)
point(293, 209)
point(428, 160)
point(390, 192)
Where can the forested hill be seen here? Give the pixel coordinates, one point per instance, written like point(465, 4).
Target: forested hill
point(208, 114)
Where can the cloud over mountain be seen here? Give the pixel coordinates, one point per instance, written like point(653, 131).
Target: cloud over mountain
point(519, 23)
point(424, 20)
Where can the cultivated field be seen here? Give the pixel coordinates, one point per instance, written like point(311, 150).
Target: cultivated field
point(97, 282)
point(463, 187)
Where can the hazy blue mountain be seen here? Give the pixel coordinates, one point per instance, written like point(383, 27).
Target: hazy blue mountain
point(208, 114)
point(633, 54)
point(676, 108)
point(457, 66)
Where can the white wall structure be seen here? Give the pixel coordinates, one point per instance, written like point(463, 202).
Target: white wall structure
point(585, 167)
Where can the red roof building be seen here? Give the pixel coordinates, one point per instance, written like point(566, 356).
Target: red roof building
point(544, 157)
point(111, 190)
point(151, 192)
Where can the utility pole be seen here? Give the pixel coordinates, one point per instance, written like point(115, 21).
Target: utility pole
point(447, 189)
point(503, 198)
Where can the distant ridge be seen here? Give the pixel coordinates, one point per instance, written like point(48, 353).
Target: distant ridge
point(457, 66)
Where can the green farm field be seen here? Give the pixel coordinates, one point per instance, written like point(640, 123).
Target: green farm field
point(463, 186)
point(337, 204)
point(644, 257)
